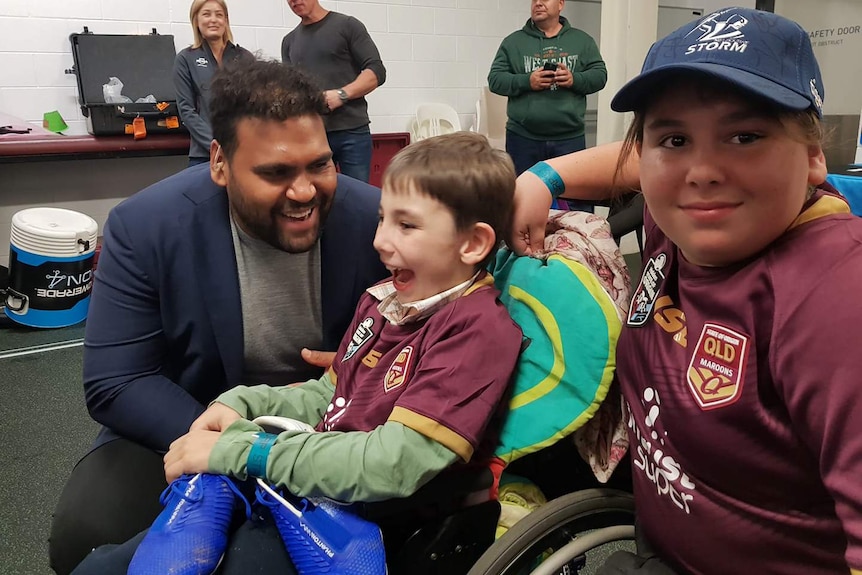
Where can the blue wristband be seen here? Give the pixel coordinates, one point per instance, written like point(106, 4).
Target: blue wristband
point(550, 178)
point(256, 463)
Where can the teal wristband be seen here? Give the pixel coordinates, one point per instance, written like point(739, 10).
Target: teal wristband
point(550, 178)
point(256, 463)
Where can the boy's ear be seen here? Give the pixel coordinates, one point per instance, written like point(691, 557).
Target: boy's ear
point(816, 166)
point(479, 240)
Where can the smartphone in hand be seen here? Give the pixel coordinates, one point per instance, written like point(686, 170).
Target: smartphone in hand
point(550, 66)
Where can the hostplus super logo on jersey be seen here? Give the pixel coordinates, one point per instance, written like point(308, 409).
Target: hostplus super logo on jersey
point(649, 454)
point(719, 31)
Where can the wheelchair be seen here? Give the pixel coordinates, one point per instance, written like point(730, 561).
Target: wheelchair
point(565, 536)
point(441, 529)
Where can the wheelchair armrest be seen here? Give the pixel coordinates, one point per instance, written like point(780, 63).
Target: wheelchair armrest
point(442, 495)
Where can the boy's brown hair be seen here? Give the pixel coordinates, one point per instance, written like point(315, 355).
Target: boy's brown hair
point(464, 173)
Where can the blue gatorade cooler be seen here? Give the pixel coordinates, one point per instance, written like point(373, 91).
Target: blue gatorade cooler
point(50, 267)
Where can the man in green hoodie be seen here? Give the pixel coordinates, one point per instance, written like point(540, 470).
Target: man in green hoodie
point(546, 69)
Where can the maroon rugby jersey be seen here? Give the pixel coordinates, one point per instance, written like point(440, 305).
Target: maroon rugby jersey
point(745, 398)
point(444, 376)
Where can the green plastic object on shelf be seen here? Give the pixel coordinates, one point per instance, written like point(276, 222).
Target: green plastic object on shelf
point(54, 122)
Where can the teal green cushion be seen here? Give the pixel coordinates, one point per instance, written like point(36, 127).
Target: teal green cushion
point(565, 372)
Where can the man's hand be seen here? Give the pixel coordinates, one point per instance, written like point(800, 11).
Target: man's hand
point(541, 79)
point(190, 453)
point(333, 102)
point(532, 202)
point(217, 417)
point(318, 358)
point(563, 76)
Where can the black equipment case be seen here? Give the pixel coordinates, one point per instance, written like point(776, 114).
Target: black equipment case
point(144, 64)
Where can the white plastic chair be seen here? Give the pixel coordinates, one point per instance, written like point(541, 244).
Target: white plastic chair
point(434, 119)
point(491, 117)
point(417, 133)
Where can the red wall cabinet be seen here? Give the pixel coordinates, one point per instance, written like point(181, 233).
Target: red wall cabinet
point(385, 146)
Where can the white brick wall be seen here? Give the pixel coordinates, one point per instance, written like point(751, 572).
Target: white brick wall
point(433, 49)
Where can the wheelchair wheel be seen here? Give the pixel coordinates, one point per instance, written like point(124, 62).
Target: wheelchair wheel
point(559, 526)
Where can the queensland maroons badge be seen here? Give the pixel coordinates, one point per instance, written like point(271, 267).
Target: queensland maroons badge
point(399, 370)
point(716, 371)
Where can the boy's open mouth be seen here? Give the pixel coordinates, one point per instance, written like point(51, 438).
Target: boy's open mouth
point(401, 278)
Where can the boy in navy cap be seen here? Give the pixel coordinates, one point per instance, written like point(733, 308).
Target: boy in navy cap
point(738, 360)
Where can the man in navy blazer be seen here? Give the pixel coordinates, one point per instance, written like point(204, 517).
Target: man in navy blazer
point(181, 289)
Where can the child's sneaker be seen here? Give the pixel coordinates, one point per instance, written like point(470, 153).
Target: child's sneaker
point(189, 536)
point(323, 536)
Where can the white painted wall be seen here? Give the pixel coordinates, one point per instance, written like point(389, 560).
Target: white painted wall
point(835, 29)
point(92, 187)
point(434, 50)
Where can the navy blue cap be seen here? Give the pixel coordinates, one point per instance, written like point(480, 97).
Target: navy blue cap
point(759, 52)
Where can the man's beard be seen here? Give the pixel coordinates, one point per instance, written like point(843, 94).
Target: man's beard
point(265, 226)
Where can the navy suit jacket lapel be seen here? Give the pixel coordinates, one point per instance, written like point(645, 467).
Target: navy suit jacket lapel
point(337, 273)
point(215, 265)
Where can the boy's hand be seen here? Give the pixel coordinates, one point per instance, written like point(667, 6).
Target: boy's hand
point(318, 358)
point(217, 417)
point(532, 202)
point(190, 453)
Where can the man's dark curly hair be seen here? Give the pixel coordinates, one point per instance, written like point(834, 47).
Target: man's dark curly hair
point(265, 89)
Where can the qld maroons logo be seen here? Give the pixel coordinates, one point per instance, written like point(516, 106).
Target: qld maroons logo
point(716, 372)
point(397, 373)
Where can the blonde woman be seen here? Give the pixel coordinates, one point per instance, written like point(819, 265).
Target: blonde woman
point(195, 66)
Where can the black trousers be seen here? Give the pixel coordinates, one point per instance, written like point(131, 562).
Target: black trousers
point(112, 495)
point(112, 498)
point(254, 548)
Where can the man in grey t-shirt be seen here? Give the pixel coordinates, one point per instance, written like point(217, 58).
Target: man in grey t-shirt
point(340, 53)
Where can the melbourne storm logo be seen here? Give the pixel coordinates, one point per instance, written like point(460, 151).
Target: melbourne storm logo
point(715, 32)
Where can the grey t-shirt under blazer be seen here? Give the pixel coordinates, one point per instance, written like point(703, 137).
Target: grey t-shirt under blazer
point(281, 309)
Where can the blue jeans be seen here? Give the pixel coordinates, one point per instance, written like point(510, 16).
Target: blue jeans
point(351, 151)
point(197, 161)
point(526, 152)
